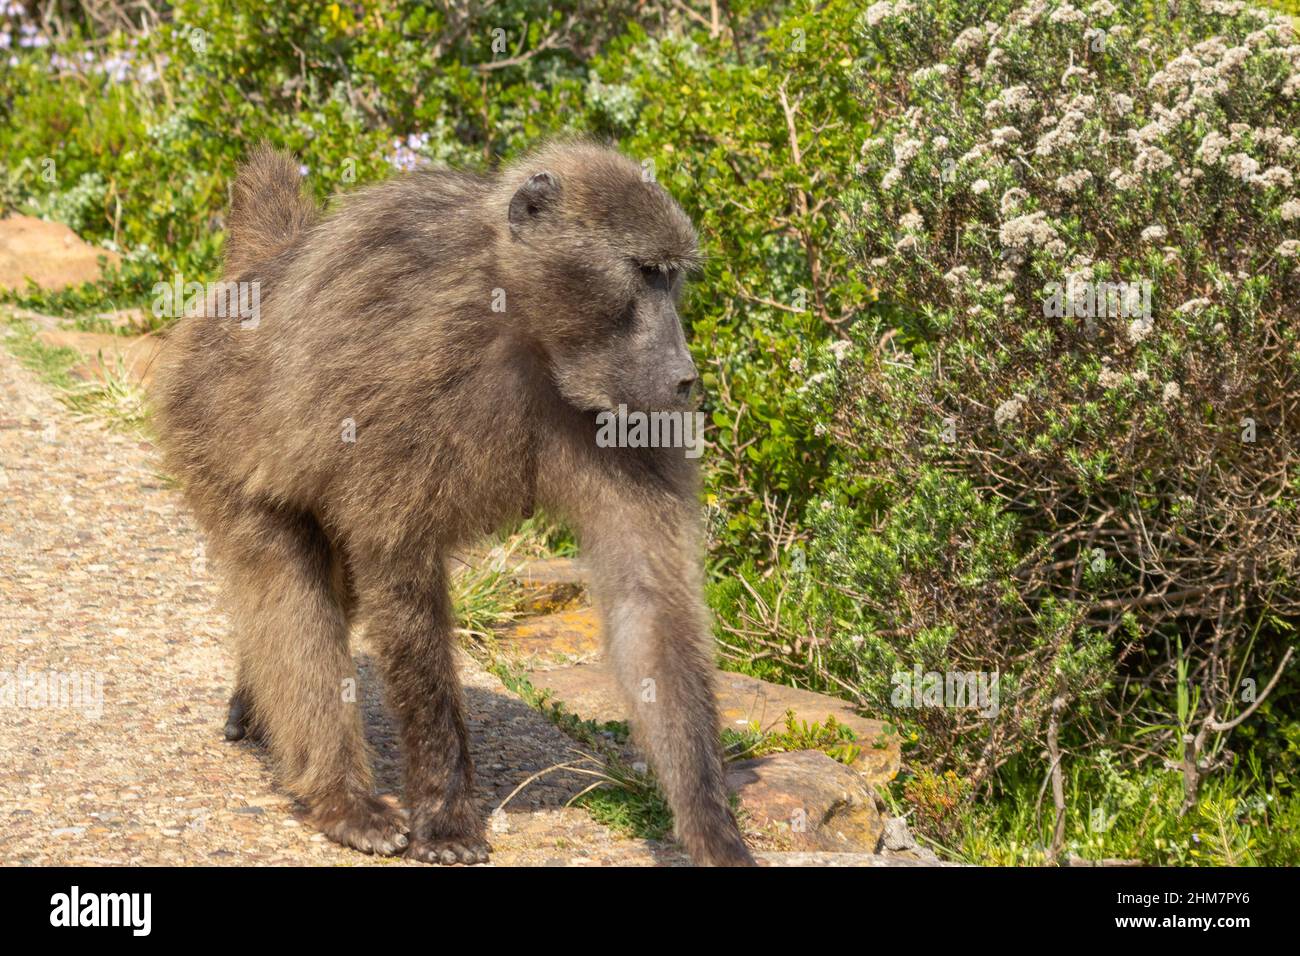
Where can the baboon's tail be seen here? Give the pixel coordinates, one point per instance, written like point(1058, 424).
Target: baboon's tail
point(268, 208)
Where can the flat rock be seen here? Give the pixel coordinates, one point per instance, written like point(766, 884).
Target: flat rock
point(554, 638)
point(805, 800)
point(49, 253)
point(552, 571)
point(589, 691)
point(550, 584)
point(103, 354)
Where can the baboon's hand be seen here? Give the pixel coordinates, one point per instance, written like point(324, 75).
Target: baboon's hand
point(447, 852)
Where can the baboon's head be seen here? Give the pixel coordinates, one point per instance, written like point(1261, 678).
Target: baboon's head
point(598, 252)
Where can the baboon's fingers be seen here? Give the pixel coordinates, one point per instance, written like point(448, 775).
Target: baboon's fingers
point(448, 852)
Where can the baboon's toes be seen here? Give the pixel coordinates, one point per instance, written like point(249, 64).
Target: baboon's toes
point(448, 852)
point(364, 823)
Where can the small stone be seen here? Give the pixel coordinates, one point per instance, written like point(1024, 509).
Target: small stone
point(898, 839)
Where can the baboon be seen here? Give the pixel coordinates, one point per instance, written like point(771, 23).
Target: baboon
point(427, 367)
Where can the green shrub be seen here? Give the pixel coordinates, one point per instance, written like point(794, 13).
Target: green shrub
point(1139, 436)
point(132, 137)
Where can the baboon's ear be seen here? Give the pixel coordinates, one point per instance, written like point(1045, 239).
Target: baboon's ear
point(532, 199)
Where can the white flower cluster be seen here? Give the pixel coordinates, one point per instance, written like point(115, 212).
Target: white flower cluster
point(1012, 101)
point(878, 13)
point(1054, 139)
point(1009, 410)
point(1067, 14)
point(1027, 232)
point(968, 41)
point(1063, 135)
point(1072, 182)
point(1109, 378)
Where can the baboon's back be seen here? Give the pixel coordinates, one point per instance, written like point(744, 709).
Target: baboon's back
point(366, 315)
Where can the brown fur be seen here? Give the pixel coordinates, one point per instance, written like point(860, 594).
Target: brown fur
point(380, 312)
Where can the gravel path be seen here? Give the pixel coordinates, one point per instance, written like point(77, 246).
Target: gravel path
point(103, 582)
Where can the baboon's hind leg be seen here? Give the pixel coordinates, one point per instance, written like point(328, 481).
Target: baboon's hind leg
point(239, 723)
point(295, 669)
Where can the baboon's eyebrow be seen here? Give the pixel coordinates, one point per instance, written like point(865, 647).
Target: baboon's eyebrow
point(685, 263)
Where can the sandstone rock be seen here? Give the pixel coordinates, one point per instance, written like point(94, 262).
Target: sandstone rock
point(804, 800)
point(743, 699)
point(551, 638)
point(588, 690)
point(49, 253)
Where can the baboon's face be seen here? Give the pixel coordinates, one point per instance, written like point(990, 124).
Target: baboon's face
point(640, 358)
point(608, 251)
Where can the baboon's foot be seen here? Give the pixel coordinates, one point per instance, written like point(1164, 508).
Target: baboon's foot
point(237, 719)
point(362, 822)
point(468, 849)
point(447, 833)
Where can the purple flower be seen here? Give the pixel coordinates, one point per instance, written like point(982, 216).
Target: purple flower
point(405, 155)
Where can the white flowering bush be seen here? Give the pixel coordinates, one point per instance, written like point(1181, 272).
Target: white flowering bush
point(1086, 223)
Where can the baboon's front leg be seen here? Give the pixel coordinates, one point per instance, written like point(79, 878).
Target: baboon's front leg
point(409, 617)
point(646, 579)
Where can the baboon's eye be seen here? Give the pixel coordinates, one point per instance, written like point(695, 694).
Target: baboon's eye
point(658, 277)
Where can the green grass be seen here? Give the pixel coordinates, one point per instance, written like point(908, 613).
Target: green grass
point(622, 796)
point(115, 399)
point(832, 738)
point(485, 594)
